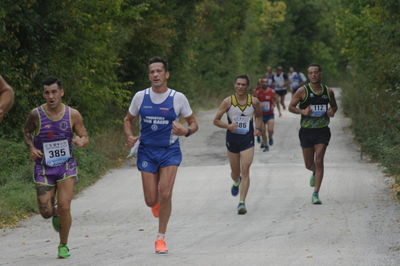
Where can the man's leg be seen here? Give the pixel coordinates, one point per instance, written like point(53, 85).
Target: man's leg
point(64, 197)
point(45, 199)
point(320, 150)
point(167, 180)
point(234, 162)
point(283, 101)
point(308, 155)
point(246, 158)
point(264, 135)
point(150, 187)
point(270, 126)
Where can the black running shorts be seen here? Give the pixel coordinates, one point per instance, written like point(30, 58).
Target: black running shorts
point(281, 92)
point(311, 136)
point(236, 143)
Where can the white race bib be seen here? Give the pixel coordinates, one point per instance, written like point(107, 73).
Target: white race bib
point(56, 152)
point(265, 106)
point(243, 124)
point(318, 110)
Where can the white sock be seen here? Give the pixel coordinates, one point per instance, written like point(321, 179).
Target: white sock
point(160, 235)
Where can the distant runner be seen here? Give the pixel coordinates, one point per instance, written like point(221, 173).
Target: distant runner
point(317, 105)
point(281, 82)
point(297, 80)
point(240, 109)
point(49, 134)
point(267, 97)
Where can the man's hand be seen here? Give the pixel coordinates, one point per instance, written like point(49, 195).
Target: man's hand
point(132, 140)
point(178, 129)
point(257, 132)
point(35, 154)
point(307, 111)
point(78, 141)
point(330, 112)
point(232, 127)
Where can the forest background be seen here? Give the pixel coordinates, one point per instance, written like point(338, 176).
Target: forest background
point(100, 49)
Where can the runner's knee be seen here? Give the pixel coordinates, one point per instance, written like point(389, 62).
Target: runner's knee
point(151, 202)
point(45, 210)
point(64, 207)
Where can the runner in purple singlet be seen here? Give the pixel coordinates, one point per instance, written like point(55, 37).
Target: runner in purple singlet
point(49, 134)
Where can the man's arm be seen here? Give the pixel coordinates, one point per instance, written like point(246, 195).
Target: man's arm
point(30, 127)
point(128, 122)
point(297, 97)
point(258, 116)
point(81, 139)
point(224, 106)
point(179, 130)
point(333, 105)
point(6, 97)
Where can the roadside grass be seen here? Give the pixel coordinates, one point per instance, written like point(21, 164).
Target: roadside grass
point(375, 125)
point(17, 192)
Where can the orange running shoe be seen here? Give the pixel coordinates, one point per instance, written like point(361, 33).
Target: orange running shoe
point(155, 209)
point(161, 247)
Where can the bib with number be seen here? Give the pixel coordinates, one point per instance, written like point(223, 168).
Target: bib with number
point(56, 152)
point(243, 124)
point(318, 110)
point(265, 106)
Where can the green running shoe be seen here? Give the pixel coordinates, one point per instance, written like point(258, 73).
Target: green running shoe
point(312, 180)
point(235, 188)
point(56, 223)
point(242, 208)
point(63, 251)
point(315, 199)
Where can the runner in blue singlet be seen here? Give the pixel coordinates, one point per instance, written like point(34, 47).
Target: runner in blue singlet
point(159, 154)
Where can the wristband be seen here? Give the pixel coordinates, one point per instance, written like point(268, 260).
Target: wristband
point(189, 132)
point(260, 129)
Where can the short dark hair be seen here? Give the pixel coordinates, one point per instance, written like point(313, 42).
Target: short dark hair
point(158, 59)
point(51, 81)
point(243, 76)
point(315, 65)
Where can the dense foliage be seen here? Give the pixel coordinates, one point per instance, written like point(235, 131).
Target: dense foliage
point(370, 34)
point(100, 48)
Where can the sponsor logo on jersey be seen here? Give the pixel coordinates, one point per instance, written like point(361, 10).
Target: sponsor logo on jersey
point(154, 127)
point(64, 125)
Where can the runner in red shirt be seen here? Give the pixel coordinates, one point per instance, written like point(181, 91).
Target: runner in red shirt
point(267, 98)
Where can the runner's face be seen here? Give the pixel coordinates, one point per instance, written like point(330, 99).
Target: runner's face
point(52, 94)
point(314, 75)
point(241, 86)
point(157, 75)
point(264, 83)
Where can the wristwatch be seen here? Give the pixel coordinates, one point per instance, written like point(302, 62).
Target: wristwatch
point(189, 132)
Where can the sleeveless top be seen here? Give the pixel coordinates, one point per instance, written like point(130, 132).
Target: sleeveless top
point(296, 79)
point(279, 81)
point(54, 138)
point(156, 121)
point(242, 115)
point(319, 106)
point(266, 98)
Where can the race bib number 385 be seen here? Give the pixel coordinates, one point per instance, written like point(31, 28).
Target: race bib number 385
point(56, 152)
